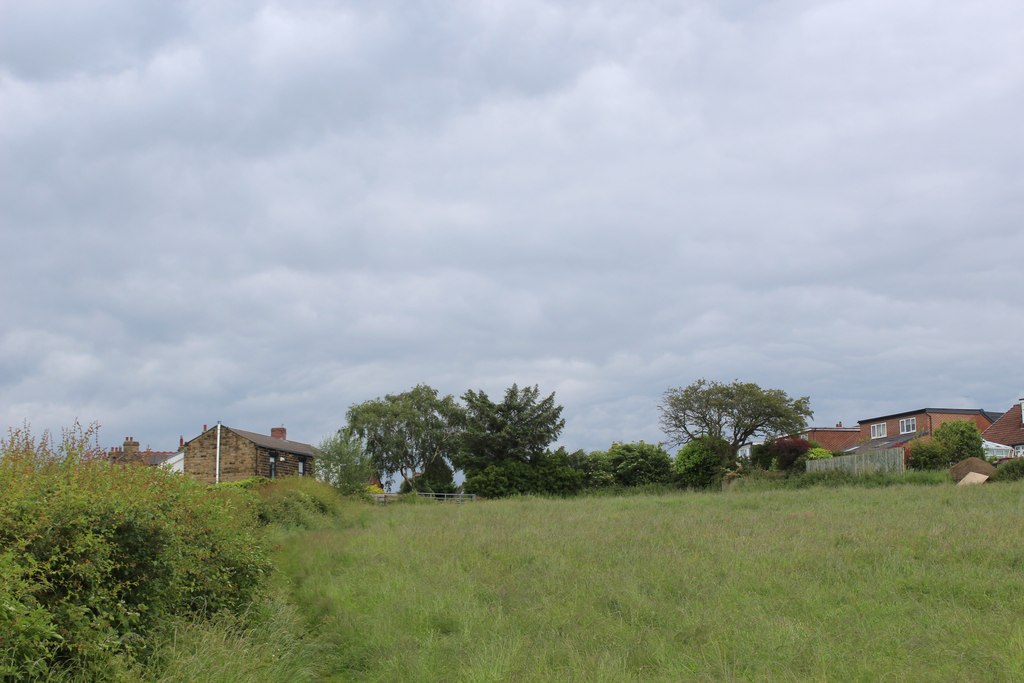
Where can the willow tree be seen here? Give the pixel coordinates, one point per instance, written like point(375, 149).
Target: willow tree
point(407, 433)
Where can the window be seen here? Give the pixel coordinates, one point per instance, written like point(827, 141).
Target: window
point(878, 430)
point(1018, 451)
point(908, 425)
point(273, 467)
point(302, 467)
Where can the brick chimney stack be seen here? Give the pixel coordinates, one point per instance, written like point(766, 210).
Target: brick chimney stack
point(279, 432)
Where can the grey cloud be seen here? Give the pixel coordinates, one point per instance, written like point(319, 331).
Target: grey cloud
point(263, 213)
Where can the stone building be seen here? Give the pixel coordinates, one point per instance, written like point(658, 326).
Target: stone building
point(223, 453)
point(130, 454)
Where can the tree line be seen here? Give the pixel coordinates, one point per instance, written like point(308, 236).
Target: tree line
point(417, 439)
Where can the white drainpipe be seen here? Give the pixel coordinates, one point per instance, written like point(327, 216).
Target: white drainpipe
point(217, 476)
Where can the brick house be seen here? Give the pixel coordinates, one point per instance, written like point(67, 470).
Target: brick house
point(223, 453)
point(899, 429)
point(1009, 429)
point(837, 438)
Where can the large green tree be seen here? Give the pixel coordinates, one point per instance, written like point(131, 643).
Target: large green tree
point(519, 429)
point(405, 433)
point(734, 412)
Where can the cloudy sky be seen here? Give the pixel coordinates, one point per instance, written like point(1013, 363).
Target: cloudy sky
point(264, 212)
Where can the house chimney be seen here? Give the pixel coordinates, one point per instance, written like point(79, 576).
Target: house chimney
point(204, 429)
point(279, 432)
point(130, 450)
point(181, 441)
point(1022, 411)
point(839, 424)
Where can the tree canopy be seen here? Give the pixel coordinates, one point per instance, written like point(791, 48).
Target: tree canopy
point(519, 429)
point(734, 412)
point(407, 432)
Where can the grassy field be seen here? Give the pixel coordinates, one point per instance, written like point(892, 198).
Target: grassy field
point(902, 583)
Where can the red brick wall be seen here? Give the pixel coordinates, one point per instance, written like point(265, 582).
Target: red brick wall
point(833, 439)
point(926, 422)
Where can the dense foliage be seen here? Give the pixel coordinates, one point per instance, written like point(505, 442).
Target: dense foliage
point(94, 556)
point(961, 439)
point(639, 464)
point(1010, 470)
point(699, 463)
point(787, 454)
point(952, 442)
point(928, 455)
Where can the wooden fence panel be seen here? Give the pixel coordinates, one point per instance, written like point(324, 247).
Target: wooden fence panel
point(889, 461)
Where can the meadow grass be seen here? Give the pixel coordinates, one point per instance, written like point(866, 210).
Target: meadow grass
point(897, 583)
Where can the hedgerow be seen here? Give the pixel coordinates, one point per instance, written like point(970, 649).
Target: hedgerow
point(95, 556)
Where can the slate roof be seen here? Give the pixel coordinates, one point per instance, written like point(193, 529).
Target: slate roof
point(158, 457)
point(1008, 429)
point(284, 445)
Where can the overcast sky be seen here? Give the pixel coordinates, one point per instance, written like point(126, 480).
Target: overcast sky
point(262, 213)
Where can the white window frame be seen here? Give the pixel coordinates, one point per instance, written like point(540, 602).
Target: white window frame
point(1018, 451)
point(908, 425)
point(878, 430)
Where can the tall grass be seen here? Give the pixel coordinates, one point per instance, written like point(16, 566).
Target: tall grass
point(900, 583)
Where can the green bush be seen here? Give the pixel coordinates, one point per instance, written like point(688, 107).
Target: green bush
point(27, 632)
point(598, 471)
point(929, 455)
point(699, 463)
point(96, 555)
point(509, 478)
point(639, 464)
point(557, 474)
point(818, 453)
point(961, 440)
point(1010, 470)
